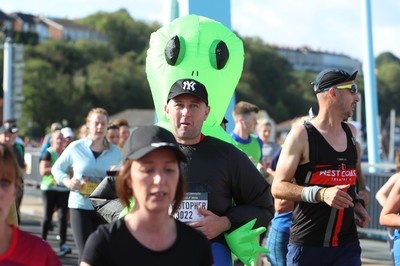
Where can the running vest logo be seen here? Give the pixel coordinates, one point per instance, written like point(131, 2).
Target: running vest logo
point(334, 177)
point(339, 173)
point(189, 85)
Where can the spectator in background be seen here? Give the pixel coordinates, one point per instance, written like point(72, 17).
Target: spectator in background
point(90, 159)
point(18, 140)
point(269, 147)
point(68, 135)
point(8, 133)
point(245, 116)
point(17, 247)
point(123, 132)
point(113, 134)
point(46, 141)
point(54, 195)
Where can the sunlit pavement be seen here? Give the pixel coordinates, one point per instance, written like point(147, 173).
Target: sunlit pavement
point(374, 252)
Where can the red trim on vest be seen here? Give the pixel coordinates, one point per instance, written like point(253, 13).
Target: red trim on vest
point(339, 222)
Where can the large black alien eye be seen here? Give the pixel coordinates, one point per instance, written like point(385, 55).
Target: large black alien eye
point(174, 51)
point(219, 54)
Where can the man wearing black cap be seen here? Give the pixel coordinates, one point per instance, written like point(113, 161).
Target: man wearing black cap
point(321, 155)
point(229, 187)
point(8, 134)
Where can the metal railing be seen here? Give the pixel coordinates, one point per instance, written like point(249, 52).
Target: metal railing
point(375, 181)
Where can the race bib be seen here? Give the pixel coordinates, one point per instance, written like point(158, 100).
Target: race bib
point(187, 211)
point(89, 184)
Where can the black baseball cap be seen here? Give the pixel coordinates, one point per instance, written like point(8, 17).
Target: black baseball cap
point(189, 86)
point(145, 139)
point(331, 77)
point(8, 127)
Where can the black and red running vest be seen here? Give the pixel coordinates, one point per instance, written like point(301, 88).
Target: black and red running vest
point(319, 224)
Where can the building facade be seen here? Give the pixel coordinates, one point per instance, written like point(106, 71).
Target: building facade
point(305, 59)
point(48, 28)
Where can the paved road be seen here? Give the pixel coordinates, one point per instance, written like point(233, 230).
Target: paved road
point(374, 252)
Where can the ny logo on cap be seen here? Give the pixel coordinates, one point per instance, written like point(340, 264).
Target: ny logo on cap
point(189, 85)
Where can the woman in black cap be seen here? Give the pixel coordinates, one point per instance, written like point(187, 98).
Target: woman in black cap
point(149, 235)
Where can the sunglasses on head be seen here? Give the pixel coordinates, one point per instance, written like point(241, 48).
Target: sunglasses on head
point(351, 87)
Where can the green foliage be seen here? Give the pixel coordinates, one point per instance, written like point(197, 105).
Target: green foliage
point(26, 37)
point(124, 33)
point(119, 84)
point(43, 91)
point(386, 58)
point(265, 77)
point(64, 80)
point(388, 78)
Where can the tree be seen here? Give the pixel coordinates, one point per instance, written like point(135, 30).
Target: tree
point(386, 58)
point(388, 77)
point(123, 32)
point(43, 91)
point(266, 76)
point(119, 84)
point(64, 80)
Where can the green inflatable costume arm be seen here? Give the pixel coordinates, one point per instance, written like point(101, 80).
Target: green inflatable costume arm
point(244, 243)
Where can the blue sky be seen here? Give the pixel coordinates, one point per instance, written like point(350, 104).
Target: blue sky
point(333, 26)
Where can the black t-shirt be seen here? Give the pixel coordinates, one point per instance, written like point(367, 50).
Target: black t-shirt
point(234, 186)
point(114, 245)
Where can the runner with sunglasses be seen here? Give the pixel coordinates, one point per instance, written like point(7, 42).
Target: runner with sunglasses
point(321, 155)
point(350, 87)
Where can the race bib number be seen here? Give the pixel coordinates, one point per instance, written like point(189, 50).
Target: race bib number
point(89, 184)
point(187, 211)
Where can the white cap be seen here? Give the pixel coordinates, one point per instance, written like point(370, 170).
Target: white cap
point(67, 132)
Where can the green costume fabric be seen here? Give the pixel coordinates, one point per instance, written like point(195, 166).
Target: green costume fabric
point(202, 49)
point(243, 242)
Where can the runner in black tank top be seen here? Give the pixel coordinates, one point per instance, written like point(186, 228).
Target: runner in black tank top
point(322, 159)
point(325, 226)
